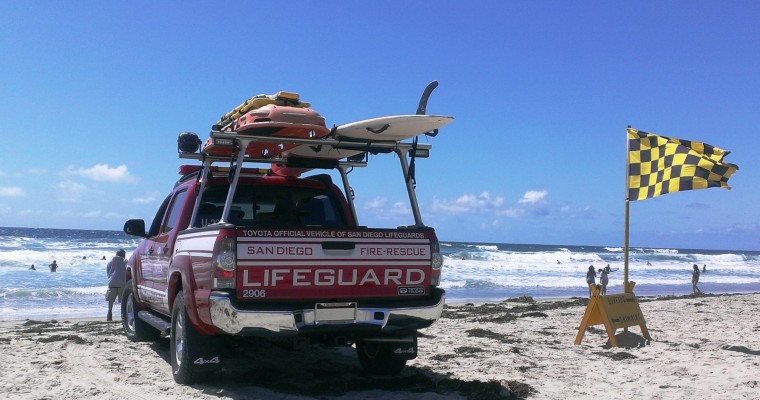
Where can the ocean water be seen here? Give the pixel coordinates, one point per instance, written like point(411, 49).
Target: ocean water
point(472, 272)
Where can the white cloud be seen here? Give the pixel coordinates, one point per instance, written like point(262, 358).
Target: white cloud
point(748, 229)
point(69, 191)
point(11, 191)
point(574, 212)
point(511, 212)
point(113, 215)
point(400, 208)
point(103, 173)
point(37, 171)
point(99, 214)
point(468, 203)
point(533, 196)
point(485, 198)
point(381, 209)
point(26, 172)
point(448, 207)
point(144, 200)
point(375, 204)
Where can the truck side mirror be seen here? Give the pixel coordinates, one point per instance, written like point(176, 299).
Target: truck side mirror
point(135, 227)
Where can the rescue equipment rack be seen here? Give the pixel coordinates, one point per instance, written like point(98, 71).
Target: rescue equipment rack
point(241, 143)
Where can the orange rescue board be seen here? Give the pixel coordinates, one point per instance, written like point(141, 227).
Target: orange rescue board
point(275, 121)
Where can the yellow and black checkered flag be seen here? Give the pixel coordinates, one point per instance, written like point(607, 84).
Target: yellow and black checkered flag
point(659, 165)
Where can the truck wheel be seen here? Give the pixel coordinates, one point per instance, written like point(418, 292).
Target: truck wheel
point(192, 354)
point(377, 358)
point(135, 329)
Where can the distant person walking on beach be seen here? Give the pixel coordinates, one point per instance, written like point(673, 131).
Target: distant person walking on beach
point(603, 279)
point(53, 266)
point(590, 279)
point(116, 280)
point(695, 280)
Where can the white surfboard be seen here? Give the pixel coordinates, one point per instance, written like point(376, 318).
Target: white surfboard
point(393, 128)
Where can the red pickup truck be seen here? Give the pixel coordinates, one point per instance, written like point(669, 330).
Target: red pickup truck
point(240, 251)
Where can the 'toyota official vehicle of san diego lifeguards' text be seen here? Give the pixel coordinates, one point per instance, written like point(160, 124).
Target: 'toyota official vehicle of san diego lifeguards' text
point(278, 253)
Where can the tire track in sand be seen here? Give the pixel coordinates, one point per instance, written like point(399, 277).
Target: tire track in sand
point(97, 379)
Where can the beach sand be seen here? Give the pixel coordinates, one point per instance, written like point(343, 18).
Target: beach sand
point(702, 347)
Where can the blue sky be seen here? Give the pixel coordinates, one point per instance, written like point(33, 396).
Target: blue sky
point(95, 93)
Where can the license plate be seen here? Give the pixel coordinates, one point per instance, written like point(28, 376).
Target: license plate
point(334, 313)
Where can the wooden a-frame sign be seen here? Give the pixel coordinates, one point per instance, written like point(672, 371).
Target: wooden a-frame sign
point(614, 312)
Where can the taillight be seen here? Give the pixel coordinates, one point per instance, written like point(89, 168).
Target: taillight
point(224, 260)
point(436, 262)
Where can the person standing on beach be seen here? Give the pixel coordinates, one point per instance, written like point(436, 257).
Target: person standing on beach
point(695, 280)
point(603, 279)
point(116, 271)
point(53, 266)
point(590, 279)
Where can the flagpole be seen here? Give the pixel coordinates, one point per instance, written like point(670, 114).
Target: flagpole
point(625, 250)
point(627, 207)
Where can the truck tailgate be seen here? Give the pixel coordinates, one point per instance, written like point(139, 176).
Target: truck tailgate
point(299, 264)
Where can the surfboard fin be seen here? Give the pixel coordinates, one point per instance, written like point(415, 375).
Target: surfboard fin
point(422, 107)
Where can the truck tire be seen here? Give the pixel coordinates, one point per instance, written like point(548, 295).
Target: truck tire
point(192, 354)
point(135, 329)
point(377, 358)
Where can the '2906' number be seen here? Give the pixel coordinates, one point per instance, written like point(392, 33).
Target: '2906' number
point(254, 293)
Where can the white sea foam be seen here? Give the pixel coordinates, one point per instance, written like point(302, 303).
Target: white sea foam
point(483, 271)
point(662, 251)
point(539, 272)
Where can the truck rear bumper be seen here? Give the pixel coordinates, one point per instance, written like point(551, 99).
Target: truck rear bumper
point(323, 317)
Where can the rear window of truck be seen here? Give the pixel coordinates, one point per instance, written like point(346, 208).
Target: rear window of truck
point(271, 206)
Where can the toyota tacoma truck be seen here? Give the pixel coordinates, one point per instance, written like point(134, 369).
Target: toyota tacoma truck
point(278, 252)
